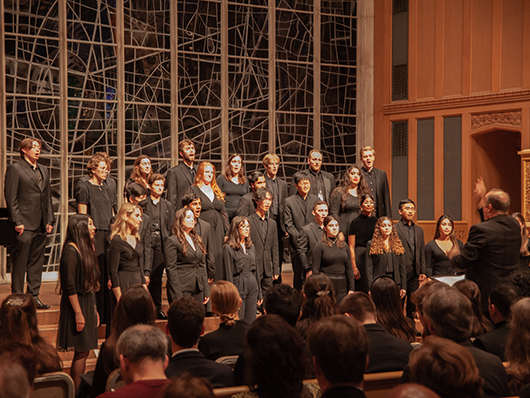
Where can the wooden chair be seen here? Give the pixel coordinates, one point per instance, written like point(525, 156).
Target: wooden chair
point(377, 385)
point(53, 385)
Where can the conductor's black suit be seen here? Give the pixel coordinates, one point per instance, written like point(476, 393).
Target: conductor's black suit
point(29, 202)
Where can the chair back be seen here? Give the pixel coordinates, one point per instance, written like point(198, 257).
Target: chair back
point(229, 360)
point(53, 385)
point(114, 381)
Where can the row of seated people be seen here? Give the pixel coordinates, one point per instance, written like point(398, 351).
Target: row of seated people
point(273, 355)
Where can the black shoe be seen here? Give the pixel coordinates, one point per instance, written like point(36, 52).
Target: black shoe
point(160, 314)
point(40, 305)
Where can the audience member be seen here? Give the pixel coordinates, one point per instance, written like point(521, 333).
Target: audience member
point(297, 214)
point(491, 252)
point(469, 289)
point(276, 364)
point(18, 325)
point(521, 281)
point(502, 296)
point(322, 182)
point(264, 236)
point(386, 352)
point(212, 211)
point(344, 201)
point(524, 252)
point(160, 211)
point(339, 346)
point(385, 294)
point(418, 298)
point(143, 356)
point(188, 386)
point(411, 390)
point(310, 235)
point(135, 307)
point(14, 381)
point(185, 325)
point(411, 236)
point(23, 355)
point(285, 301)
point(518, 346)
point(377, 182)
point(181, 176)
point(319, 302)
point(447, 368)
point(233, 183)
point(229, 338)
point(448, 314)
point(246, 205)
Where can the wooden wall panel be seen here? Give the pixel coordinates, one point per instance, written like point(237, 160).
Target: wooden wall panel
point(481, 45)
point(425, 56)
point(512, 44)
point(453, 47)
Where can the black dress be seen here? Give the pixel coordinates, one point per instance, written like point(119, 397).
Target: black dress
point(438, 264)
point(234, 192)
point(345, 214)
point(214, 213)
point(240, 269)
point(334, 262)
point(363, 228)
point(68, 338)
point(125, 263)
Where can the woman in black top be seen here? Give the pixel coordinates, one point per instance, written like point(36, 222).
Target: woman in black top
point(239, 260)
point(229, 338)
point(126, 266)
point(141, 172)
point(79, 280)
point(384, 255)
point(331, 257)
point(186, 260)
point(361, 231)
point(233, 183)
point(443, 245)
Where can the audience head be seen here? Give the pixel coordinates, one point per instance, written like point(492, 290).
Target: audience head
point(411, 390)
point(13, 379)
point(496, 201)
point(135, 307)
point(256, 179)
point(521, 281)
point(518, 345)
point(276, 363)
point(339, 347)
point(187, 150)
point(18, 320)
point(502, 297)
point(470, 289)
point(319, 298)
point(447, 368)
point(185, 320)
point(359, 306)
point(138, 344)
point(448, 314)
point(99, 164)
point(285, 301)
point(225, 301)
point(188, 386)
point(418, 299)
point(23, 355)
point(27, 144)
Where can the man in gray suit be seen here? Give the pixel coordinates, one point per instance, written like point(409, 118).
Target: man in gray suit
point(29, 203)
point(310, 235)
point(180, 177)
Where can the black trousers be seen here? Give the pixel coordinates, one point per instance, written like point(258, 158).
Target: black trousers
point(155, 278)
point(412, 285)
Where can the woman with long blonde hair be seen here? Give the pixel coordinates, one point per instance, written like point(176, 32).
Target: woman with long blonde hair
point(213, 210)
point(126, 253)
point(229, 338)
point(385, 255)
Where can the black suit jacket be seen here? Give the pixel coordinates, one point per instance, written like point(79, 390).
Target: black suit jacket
point(282, 195)
point(494, 342)
point(491, 253)
point(419, 259)
point(267, 250)
point(329, 183)
point(375, 267)
point(246, 205)
point(28, 202)
point(220, 375)
point(382, 192)
point(203, 229)
point(386, 353)
point(344, 392)
point(298, 212)
point(166, 217)
point(308, 238)
point(178, 180)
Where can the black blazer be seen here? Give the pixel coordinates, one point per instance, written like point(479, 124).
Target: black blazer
point(28, 202)
point(246, 205)
point(203, 229)
point(491, 253)
point(178, 180)
point(166, 217)
point(308, 238)
point(494, 342)
point(383, 205)
point(298, 212)
point(220, 375)
point(375, 267)
point(184, 273)
point(266, 251)
point(329, 183)
point(419, 259)
point(387, 353)
point(282, 195)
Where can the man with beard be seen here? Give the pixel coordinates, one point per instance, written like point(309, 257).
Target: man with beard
point(180, 177)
